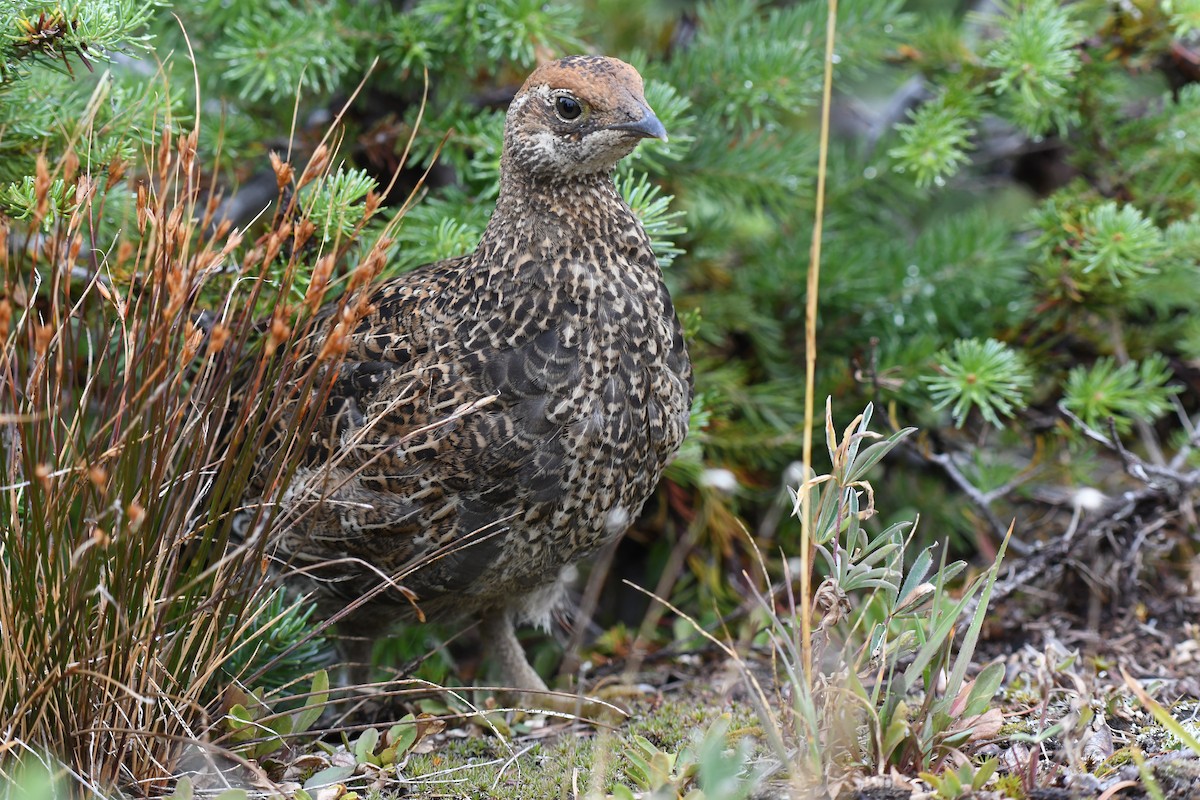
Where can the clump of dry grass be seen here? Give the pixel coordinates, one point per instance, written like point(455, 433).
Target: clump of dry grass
point(121, 598)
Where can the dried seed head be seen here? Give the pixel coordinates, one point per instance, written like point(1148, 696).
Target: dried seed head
point(143, 207)
point(363, 307)
point(70, 166)
point(5, 318)
point(85, 190)
point(371, 205)
point(42, 334)
point(235, 239)
point(175, 229)
point(218, 337)
point(830, 604)
point(316, 165)
point(202, 262)
point(366, 271)
point(253, 256)
point(136, 515)
point(274, 245)
point(116, 171)
point(125, 252)
point(186, 145)
point(336, 345)
point(41, 190)
point(283, 170)
point(164, 154)
point(41, 473)
point(279, 333)
point(214, 202)
point(100, 536)
point(319, 283)
point(98, 476)
point(192, 337)
point(302, 231)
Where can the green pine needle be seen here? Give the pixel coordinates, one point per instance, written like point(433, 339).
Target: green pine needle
point(1189, 342)
point(1118, 242)
point(1132, 391)
point(987, 375)
point(271, 54)
point(934, 141)
point(334, 201)
point(1036, 60)
point(653, 208)
point(1184, 15)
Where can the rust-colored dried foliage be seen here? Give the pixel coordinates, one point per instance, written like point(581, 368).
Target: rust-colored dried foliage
point(118, 584)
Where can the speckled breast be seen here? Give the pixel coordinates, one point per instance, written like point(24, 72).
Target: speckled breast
point(592, 390)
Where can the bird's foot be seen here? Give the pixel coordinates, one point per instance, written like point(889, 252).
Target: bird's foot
point(526, 689)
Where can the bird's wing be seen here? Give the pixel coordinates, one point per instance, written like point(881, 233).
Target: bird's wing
point(444, 428)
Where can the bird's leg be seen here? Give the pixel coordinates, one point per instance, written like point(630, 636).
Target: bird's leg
point(356, 637)
point(505, 651)
point(527, 689)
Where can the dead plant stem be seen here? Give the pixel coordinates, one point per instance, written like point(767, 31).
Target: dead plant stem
point(810, 349)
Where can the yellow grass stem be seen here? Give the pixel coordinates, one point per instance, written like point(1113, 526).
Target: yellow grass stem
point(810, 347)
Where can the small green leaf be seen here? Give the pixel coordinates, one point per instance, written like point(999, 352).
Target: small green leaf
point(239, 717)
point(874, 454)
point(897, 731)
point(314, 706)
point(403, 735)
point(1036, 59)
point(934, 141)
point(329, 776)
point(951, 785)
point(1132, 391)
point(985, 772)
point(364, 747)
point(1119, 241)
point(281, 727)
point(985, 688)
point(183, 790)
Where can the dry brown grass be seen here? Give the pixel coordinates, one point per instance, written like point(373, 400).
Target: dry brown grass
point(121, 598)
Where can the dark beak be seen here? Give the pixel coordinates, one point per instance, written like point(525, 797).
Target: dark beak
point(647, 127)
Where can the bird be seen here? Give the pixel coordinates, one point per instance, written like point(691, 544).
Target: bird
point(498, 417)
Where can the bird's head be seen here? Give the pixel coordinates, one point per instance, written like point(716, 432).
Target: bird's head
point(577, 116)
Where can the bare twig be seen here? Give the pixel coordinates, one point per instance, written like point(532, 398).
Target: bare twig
point(1152, 475)
point(982, 501)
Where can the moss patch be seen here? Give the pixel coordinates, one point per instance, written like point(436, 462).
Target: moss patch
point(577, 758)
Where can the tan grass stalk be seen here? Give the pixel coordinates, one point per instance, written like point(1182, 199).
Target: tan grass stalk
point(120, 600)
point(810, 343)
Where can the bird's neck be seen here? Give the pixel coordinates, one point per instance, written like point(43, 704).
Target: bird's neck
point(539, 218)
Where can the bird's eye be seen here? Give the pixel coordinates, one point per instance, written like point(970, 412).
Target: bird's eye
point(567, 108)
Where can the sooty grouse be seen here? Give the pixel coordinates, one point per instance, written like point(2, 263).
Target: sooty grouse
point(501, 415)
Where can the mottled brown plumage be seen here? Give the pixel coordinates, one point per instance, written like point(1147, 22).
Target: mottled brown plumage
point(501, 415)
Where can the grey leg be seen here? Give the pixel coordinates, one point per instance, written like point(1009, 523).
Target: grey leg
point(504, 650)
